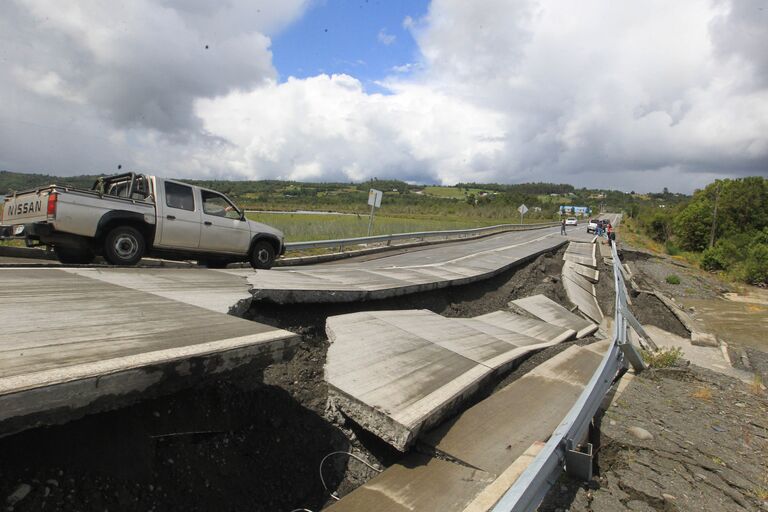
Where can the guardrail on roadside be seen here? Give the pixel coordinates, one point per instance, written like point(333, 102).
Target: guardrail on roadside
point(563, 450)
point(422, 235)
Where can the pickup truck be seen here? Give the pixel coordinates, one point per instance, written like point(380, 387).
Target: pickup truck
point(128, 216)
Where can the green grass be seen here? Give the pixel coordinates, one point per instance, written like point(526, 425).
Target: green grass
point(672, 279)
point(451, 192)
point(556, 199)
point(302, 228)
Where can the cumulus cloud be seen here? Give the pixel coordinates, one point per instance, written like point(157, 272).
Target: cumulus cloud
point(123, 72)
point(594, 93)
point(328, 127)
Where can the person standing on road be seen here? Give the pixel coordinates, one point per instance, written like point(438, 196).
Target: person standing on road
point(562, 226)
point(611, 234)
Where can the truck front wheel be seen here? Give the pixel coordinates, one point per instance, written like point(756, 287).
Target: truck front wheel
point(262, 255)
point(124, 245)
point(70, 256)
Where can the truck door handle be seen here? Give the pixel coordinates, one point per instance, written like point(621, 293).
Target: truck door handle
point(170, 217)
point(208, 223)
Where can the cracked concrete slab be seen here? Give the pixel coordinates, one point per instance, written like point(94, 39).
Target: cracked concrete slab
point(550, 311)
point(492, 434)
point(404, 273)
point(582, 293)
point(70, 341)
point(397, 373)
point(418, 483)
point(589, 273)
point(487, 447)
point(529, 326)
point(208, 289)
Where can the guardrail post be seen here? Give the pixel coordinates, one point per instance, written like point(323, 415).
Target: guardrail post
point(578, 462)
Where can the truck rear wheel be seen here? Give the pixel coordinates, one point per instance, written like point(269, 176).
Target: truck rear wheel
point(70, 256)
point(124, 245)
point(262, 255)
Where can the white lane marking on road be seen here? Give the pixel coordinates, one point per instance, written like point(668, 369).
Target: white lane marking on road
point(498, 249)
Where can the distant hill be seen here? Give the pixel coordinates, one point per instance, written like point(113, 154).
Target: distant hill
point(486, 202)
point(15, 181)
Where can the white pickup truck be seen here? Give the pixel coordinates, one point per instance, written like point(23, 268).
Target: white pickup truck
point(128, 216)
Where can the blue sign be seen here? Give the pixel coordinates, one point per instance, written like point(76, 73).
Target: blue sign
point(575, 210)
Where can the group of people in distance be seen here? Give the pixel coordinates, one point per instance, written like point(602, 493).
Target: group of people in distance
point(604, 228)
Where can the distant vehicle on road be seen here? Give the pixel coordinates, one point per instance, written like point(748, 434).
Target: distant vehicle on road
point(592, 226)
point(571, 221)
point(128, 216)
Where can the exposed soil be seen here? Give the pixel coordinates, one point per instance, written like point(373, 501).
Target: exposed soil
point(225, 446)
point(648, 309)
point(651, 273)
point(708, 451)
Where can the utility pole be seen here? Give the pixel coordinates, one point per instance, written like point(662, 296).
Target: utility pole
point(714, 217)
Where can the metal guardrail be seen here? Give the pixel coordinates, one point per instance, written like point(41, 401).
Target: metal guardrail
point(458, 233)
point(563, 450)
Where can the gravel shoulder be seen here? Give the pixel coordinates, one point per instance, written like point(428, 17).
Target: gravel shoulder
point(703, 446)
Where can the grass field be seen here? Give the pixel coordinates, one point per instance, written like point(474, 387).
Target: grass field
point(450, 192)
point(302, 228)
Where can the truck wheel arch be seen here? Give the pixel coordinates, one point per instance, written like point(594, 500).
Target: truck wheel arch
point(114, 218)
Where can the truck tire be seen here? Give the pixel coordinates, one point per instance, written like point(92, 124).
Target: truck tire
point(124, 245)
point(262, 255)
point(70, 256)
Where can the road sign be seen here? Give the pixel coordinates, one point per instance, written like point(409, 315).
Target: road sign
point(523, 209)
point(374, 198)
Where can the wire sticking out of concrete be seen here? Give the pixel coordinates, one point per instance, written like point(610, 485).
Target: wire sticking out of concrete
point(322, 479)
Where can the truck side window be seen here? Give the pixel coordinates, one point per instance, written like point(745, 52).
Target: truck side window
point(216, 204)
point(179, 196)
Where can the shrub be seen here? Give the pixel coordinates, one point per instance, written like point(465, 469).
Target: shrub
point(671, 248)
point(726, 252)
point(659, 227)
point(673, 279)
point(756, 264)
point(662, 358)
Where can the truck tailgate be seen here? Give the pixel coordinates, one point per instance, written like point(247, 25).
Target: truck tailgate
point(26, 207)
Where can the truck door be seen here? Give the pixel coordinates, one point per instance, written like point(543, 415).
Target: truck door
point(222, 229)
point(180, 217)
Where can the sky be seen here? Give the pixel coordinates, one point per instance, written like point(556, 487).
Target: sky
point(597, 93)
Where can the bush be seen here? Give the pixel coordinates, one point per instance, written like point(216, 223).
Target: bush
point(659, 227)
point(662, 358)
point(671, 248)
point(756, 264)
point(728, 251)
point(673, 279)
